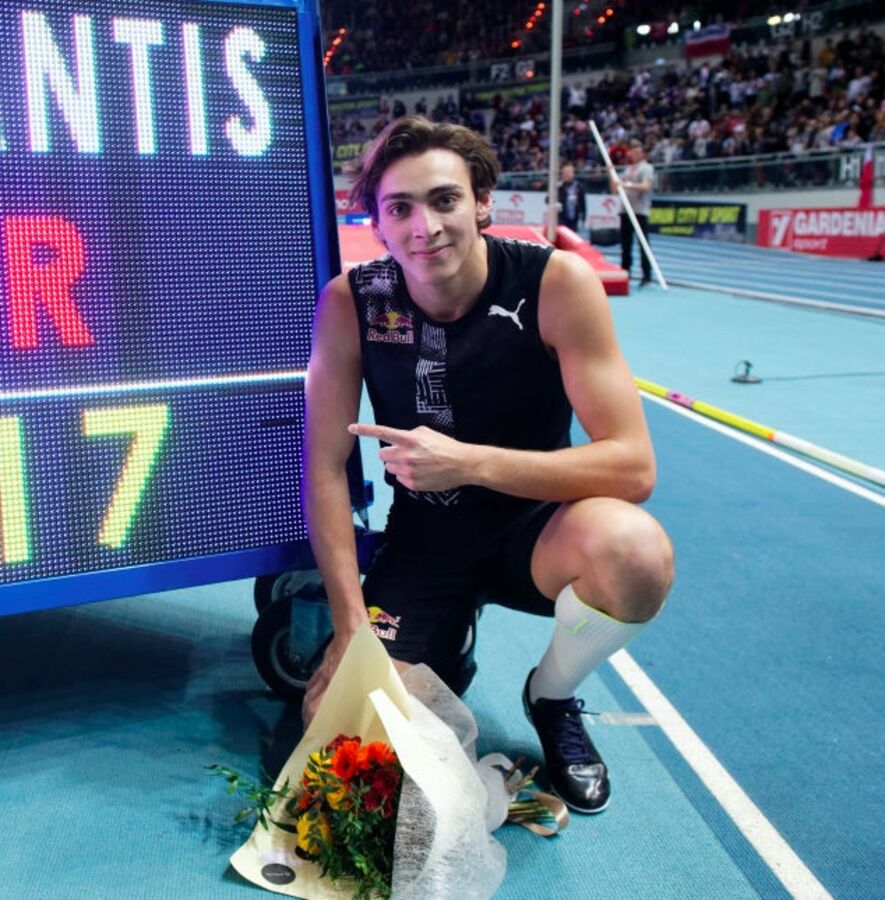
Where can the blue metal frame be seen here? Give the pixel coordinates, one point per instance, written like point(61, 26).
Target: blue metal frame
point(319, 144)
point(298, 5)
point(106, 584)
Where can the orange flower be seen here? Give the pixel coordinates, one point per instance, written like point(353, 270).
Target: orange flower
point(378, 754)
point(346, 760)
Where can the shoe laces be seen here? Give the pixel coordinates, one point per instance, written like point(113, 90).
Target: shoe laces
point(567, 731)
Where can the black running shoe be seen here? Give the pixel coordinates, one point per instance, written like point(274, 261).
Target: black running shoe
point(577, 773)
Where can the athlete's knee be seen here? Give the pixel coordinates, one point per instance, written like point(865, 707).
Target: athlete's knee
point(629, 564)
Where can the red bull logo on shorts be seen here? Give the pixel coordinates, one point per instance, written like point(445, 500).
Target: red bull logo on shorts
point(384, 625)
point(391, 327)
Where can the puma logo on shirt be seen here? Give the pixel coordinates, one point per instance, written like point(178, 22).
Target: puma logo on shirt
point(495, 310)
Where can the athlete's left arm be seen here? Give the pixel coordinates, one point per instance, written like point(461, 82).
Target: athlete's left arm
point(576, 325)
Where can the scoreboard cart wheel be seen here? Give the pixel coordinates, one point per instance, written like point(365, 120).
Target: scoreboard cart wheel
point(286, 657)
point(285, 586)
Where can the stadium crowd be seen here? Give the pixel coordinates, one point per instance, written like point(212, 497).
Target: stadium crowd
point(383, 34)
point(770, 99)
point(750, 103)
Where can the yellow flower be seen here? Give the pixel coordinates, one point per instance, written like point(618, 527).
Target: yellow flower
point(338, 798)
point(312, 831)
point(317, 765)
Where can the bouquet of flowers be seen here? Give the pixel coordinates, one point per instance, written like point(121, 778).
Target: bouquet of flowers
point(383, 796)
point(345, 812)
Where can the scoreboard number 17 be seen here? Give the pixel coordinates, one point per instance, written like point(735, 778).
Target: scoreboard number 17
point(148, 425)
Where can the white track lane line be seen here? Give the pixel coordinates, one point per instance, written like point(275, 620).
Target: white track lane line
point(834, 305)
point(775, 852)
point(770, 449)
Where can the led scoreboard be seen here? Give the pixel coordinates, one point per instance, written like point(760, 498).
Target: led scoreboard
point(166, 218)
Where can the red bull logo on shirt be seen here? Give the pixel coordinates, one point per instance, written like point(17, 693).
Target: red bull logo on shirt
point(384, 625)
point(391, 327)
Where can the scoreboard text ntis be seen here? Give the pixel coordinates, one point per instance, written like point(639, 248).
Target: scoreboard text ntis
point(164, 227)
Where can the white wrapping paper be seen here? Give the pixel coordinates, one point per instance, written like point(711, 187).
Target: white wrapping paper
point(443, 847)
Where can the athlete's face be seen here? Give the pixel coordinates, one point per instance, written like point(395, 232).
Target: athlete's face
point(428, 216)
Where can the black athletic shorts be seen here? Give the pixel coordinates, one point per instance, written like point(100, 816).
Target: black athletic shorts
point(435, 567)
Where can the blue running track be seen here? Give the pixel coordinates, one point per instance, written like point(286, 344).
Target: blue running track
point(853, 285)
point(743, 729)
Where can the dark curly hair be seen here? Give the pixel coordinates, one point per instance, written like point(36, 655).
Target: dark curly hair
point(411, 136)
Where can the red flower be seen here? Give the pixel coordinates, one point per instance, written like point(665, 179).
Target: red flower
point(375, 800)
point(385, 781)
point(334, 745)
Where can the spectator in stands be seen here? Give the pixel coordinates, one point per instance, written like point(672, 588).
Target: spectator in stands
point(577, 99)
point(826, 56)
point(637, 182)
point(859, 86)
point(878, 132)
point(572, 203)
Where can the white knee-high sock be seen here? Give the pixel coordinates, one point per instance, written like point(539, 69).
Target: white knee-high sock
point(583, 638)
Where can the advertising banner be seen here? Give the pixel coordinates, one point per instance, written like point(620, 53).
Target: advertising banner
point(530, 208)
point(348, 212)
point(353, 121)
point(519, 207)
point(858, 233)
point(345, 151)
point(364, 107)
point(693, 218)
point(481, 97)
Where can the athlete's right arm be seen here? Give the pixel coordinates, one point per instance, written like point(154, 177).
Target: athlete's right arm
point(334, 380)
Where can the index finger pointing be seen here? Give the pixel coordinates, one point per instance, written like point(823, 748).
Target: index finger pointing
point(382, 432)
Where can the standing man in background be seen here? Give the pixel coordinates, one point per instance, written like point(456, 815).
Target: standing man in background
point(637, 183)
point(572, 205)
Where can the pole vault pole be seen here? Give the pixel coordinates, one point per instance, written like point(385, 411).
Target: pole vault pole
point(627, 207)
point(555, 101)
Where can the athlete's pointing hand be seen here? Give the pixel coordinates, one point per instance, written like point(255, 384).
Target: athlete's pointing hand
point(422, 459)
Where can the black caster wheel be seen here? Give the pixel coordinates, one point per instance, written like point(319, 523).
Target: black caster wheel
point(289, 639)
point(269, 588)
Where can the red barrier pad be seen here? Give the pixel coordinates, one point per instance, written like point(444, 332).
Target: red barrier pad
point(358, 244)
point(614, 279)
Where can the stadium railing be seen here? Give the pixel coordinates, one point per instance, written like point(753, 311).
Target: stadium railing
point(837, 168)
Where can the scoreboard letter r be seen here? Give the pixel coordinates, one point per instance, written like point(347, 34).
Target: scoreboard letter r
point(45, 257)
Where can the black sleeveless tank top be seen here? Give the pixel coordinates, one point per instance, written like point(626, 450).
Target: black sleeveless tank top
point(485, 378)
